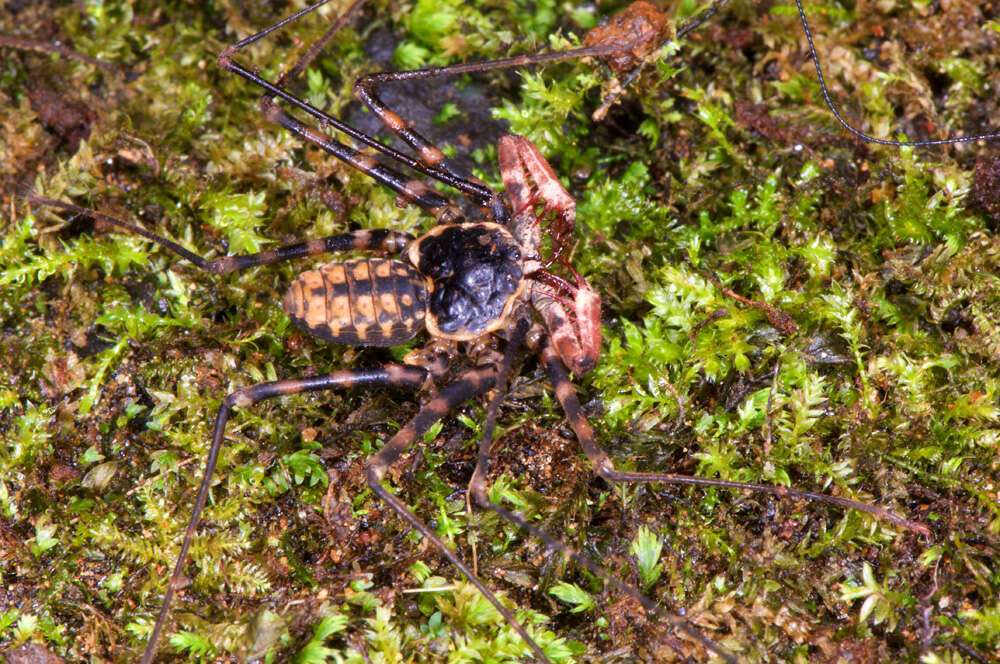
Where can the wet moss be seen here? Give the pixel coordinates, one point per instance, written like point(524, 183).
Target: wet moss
point(722, 162)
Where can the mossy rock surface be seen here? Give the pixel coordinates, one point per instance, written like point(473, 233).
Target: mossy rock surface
point(720, 160)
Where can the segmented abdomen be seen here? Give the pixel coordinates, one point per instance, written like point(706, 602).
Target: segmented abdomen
point(371, 302)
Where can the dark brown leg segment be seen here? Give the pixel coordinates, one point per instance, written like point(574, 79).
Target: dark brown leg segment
point(480, 493)
point(470, 385)
point(481, 496)
point(435, 162)
point(430, 162)
point(412, 190)
point(364, 240)
point(393, 375)
point(478, 480)
point(415, 192)
point(602, 466)
point(602, 463)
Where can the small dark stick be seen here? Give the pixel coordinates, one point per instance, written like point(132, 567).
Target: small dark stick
point(57, 48)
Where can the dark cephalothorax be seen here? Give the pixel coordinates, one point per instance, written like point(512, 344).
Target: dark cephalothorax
point(475, 275)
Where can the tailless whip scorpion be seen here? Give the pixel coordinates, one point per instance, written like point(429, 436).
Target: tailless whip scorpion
point(489, 292)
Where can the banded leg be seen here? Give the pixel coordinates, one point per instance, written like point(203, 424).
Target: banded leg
point(470, 385)
point(393, 375)
point(480, 493)
point(431, 161)
point(430, 156)
point(377, 239)
point(603, 466)
point(411, 190)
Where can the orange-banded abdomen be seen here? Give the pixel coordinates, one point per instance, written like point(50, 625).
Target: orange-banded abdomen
point(370, 302)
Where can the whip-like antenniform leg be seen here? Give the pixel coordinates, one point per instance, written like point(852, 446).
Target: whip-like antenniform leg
point(397, 375)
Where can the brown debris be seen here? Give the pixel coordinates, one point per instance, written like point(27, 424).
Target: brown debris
point(30, 653)
point(984, 196)
point(755, 117)
point(637, 31)
point(67, 118)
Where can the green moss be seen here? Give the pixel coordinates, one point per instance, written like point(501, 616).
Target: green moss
point(723, 161)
